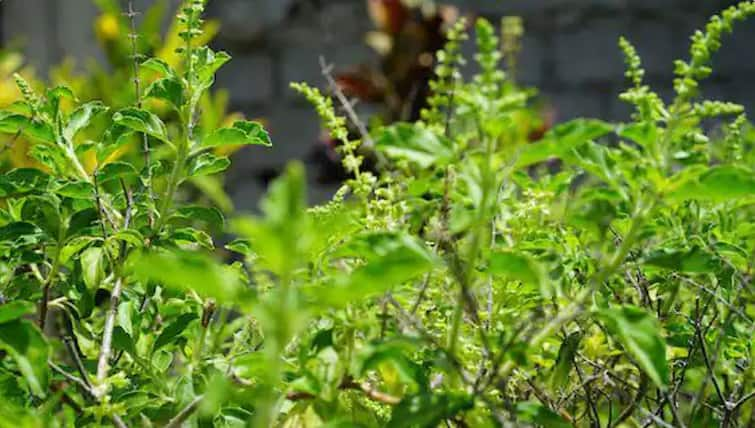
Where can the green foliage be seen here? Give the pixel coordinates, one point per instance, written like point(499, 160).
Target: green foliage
point(469, 280)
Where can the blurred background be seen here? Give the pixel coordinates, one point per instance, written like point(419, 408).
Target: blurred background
point(379, 49)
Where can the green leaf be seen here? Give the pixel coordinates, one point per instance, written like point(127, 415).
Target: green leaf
point(694, 260)
point(21, 233)
point(92, 266)
point(81, 118)
point(129, 236)
point(208, 164)
point(116, 171)
point(167, 89)
point(208, 63)
point(138, 120)
point(212, 188)
point(25, 343)
point(123, 341)
point(242, 133)
point(428, 410)
point(124, 316)
point(416, 144)
point(27, 179)
point(158, 66)
point(535, 413)
point(82, 222)
point(194, 236)
point(173, 330)
point(565, 360)
point(241, 246)
point(16, 123)
point(16, 309)
point(211, 216)
point(394, 352)
point(183, 270)
point(644, 134)
point(716, 184)
point(390, 259)
point(520, 267)
point(283, 237)
point(639, 334)
point(43, 212)
point(562, 139)
point(73, 246)
point(76, 190)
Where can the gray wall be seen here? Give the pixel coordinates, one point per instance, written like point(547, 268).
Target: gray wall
point(570, 52)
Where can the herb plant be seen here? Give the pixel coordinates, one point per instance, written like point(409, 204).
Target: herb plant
point(468, 282)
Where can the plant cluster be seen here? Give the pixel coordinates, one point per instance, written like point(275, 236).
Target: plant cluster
point(464, 282)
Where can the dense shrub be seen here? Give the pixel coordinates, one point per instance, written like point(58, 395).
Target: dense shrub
point(601, 276)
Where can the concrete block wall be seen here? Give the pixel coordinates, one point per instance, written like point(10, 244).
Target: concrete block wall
point(570, 53)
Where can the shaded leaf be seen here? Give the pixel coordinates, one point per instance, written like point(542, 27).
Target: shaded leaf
point(25, 343)
point(565, 359)
point(520, 267)
point(14, 310)
point(639, 334)
point(428, 410)
point(211, 216)
point(535, 413)
point(21, 233)
point(173, 330)
point(395, 353)
point(695, 260)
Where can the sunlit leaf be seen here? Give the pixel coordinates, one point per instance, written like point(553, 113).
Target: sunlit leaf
point(16, 123)
point(92, 266)
point(390, 259)
point(242, 133)
point(718, 184)
point(208, 164)
point(183, 270)
point(81, 118)
point(167, 89)
point(561, 140)
point(141, 121)
point(416, 144)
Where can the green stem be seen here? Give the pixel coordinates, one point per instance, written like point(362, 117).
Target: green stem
point(43, 304)
point(173, 181)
